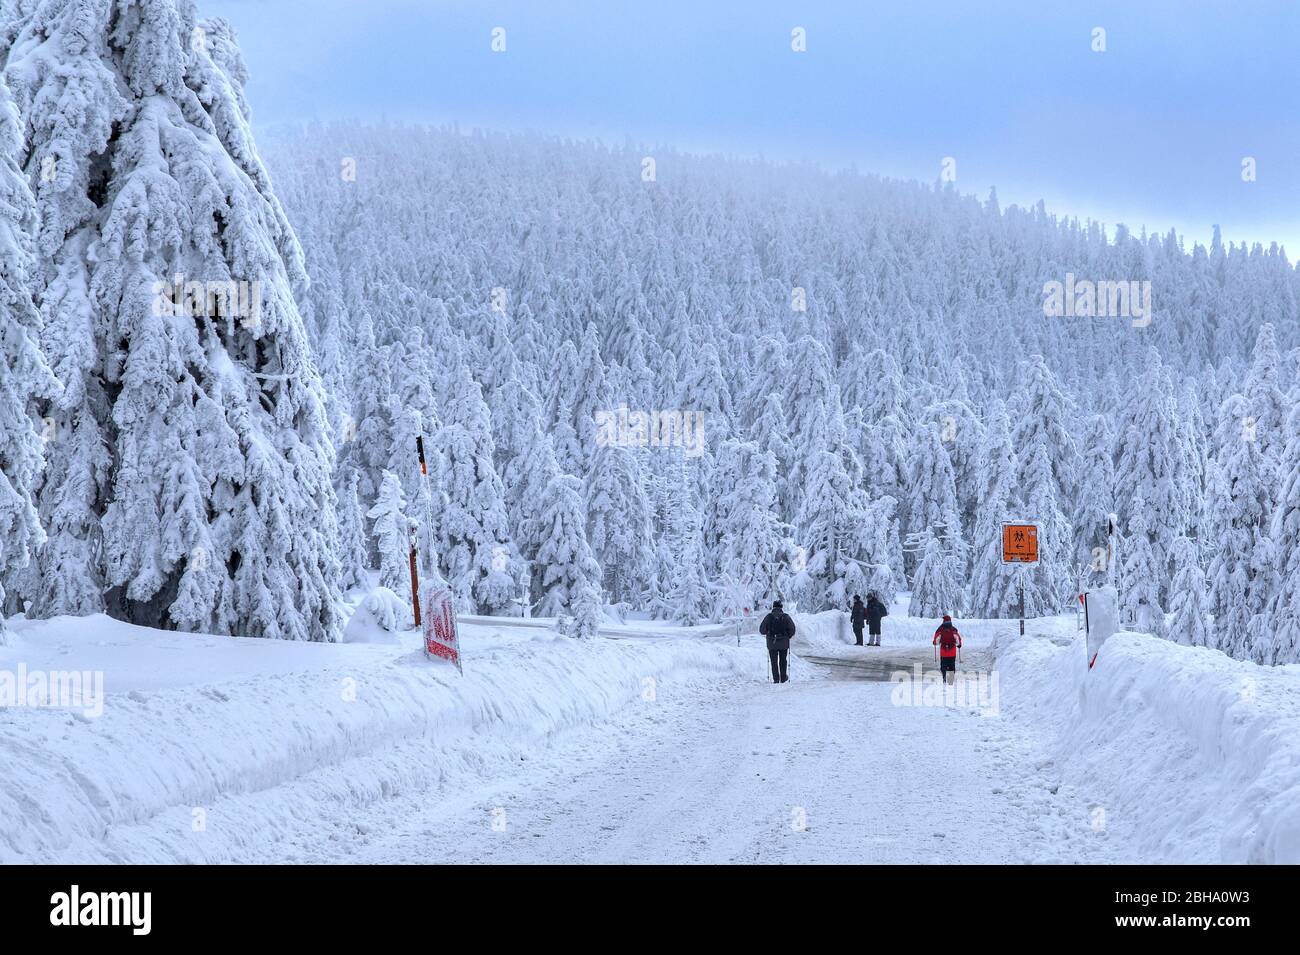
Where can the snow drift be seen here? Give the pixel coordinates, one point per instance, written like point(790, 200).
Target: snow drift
point(1193, 756)
point(209, 744)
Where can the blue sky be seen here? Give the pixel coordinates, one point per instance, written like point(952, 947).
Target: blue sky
point(1150, 132)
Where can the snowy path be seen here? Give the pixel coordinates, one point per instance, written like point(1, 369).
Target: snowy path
point(819, 770)
point(217, 749)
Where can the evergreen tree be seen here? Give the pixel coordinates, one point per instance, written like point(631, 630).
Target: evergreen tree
point(995, 585)
point(619, 521)
point(24, 374)
point(353, 549)
point(938, 586)
point(752, 535)
point(475, 552)
point(1049, 582)
point(1096, 499)
point(1266, 405)
point(1151, 463)
point(771, 433)
point(1139, 590)
point(1240, 509)
point(392, 531)
point(1284, 606)
point(214, 509)
point(838, 533)
point(933, 493)
point(570, 576)
point(1190, 606)
point(691, 596)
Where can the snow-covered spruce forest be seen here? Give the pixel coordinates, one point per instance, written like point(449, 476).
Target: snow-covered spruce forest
point(861, 378)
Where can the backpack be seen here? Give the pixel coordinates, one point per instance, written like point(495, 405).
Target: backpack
point(947, 636)
point(781, 626)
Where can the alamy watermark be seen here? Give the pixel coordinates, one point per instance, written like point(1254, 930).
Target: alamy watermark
point(231, 299)
point(1084, 298)
point(622, 428)
point(53, 689)
point(976, 689)
point(75, 907)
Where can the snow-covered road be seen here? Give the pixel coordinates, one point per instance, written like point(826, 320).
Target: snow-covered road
point(670, 746)
point(821, 769)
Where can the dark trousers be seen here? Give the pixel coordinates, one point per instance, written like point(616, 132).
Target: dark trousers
point(857, 633)
point(778, 664)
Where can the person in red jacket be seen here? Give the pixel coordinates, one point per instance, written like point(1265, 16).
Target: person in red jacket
point(948, 640)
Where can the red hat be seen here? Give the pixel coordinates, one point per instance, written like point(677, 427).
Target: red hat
point(946, 617)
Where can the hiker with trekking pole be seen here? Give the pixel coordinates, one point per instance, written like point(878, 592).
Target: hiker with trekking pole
point(947, 649)
point(778, 627)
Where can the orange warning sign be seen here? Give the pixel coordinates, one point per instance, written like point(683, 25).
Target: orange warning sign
point(1019, 543)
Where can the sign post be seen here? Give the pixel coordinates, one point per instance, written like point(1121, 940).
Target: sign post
point(1020, 546)
point(415, 580)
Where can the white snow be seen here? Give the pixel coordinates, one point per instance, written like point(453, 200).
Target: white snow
point(650, 743)
point(1192, 757)
point(256, 737)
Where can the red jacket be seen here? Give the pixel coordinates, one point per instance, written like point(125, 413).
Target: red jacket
point(948, 645)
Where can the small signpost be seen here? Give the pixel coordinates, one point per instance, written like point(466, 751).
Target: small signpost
point(1020, 546)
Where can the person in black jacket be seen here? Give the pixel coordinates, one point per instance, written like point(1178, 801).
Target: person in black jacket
point(778, 628)
point(876, 611)
point(858, 617)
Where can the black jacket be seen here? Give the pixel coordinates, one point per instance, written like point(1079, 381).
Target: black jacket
point(875, 611)
point(778, 627)
point(858, 615)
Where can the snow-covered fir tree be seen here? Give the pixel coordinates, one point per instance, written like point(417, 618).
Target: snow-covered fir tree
point(1139, 575)
point(994, 586)
point(354, 554)
point(392, 530)
point(475, 552)
point(1095, 503)
point(569, 575)
point(1241, 500)
point(938, 584)
point(1189, 603)
point(189, 479)
point(24, 374)
point(1284, 605)
point(692, 596)
point(620, 521)
point(752, 535)
point(1151, 463)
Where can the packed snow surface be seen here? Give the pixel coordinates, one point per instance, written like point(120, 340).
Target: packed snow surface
point(648, 744)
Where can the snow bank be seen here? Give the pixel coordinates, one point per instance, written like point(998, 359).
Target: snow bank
point(830, 628)
point(208, 745)
point(1192, 756)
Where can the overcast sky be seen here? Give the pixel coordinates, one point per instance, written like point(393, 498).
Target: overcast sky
point(1152, 131)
